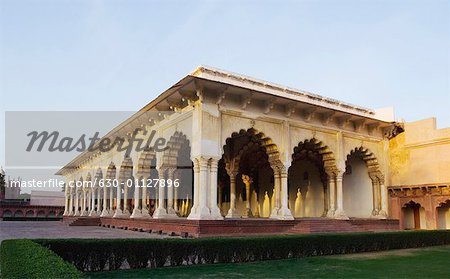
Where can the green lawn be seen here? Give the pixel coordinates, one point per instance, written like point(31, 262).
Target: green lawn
point(431, 262)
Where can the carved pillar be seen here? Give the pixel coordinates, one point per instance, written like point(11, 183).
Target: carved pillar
point(375, 187)
point(215, 211)
point(77, 210)
point(194, 210)
point(93, 212)
point(384, 200)
point(83, 203)
point(136, 211)
point(170, 194)
point(203, 209)
point(325, 197)
point(119, 211)
point(340, 214)
point(161, 211)
point(111, 201)
point(126, 212)
point(331, 195)
point(71, 211)
point(276, 193)
point(232, 212)
point(284, 212)
point(105, 212)
point(66, 205)
point(101, 200)
point(144, 209)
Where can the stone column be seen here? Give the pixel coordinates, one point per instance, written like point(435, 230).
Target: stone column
point(215, 211)
point(77, 206)
point(203, 209)
point(331, 195)
point(325, 198)
point(340, 214)
point(175, 192)
point(170, 209)
point(71, 204)
point(276, 194)
point(233, 212)
point(119, 211)
point(105, 211)
point(136, 197)
point(194, 210)
point(161, 211)
point(93, 212)
point(111, 201)
point(83, 203)
point(284, 212)
point(144, 208)
point(100, 201)
point(126, 212)
point(384, 200)
point(375, 186)
point(66, 203)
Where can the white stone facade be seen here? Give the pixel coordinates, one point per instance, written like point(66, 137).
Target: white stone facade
point(306, 155)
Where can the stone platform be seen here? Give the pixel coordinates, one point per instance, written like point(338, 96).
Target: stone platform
point(237, 227)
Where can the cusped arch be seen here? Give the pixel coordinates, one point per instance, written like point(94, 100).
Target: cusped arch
point(111, 171)
point(145, 162)
point(18, 213)
point(177, 151)
point(7, 213)
point(316, 152)
point(370, 160)
point(97, 178)
point(29, 213)
point(126, 169)
point(234, 149)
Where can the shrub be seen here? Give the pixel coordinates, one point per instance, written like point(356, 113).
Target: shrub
point(111, 254)
point(22, 258)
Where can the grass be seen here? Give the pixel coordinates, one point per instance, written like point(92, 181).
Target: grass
point(409, 263)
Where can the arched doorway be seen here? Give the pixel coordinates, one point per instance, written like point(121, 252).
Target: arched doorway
point(7, 213)
point(443, 214)
point(361, 184)
point(248, 174)
point(18, 213)
point(413, 216)
point(176, 199)
point(308, 179)
point(29, 214)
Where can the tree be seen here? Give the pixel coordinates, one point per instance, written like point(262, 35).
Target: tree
point(2, 183)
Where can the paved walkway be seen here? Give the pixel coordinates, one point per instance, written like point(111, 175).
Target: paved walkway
point(56, 229)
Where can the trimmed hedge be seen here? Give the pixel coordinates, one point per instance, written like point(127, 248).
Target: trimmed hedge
point(22, 258)
point(112, 254)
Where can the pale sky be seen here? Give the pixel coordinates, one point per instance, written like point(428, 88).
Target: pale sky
point(119, 55)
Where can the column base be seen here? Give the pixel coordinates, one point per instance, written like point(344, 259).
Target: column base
point(330, 213)
point(216, 214)
point(93, 213)
point(105, 213)
point(136, 213)
point(160, 213)
point(274, 213)
point(340, 215)
point(233, 213)
point(285, 214)
point(77, 213)
point(121, 214)
point(172, 212)
point(84, 213)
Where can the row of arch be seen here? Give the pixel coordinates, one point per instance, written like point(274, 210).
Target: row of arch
point(415, 217)
point(252, 181)
point(32, 213)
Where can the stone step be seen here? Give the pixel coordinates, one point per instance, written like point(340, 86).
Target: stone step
point(86, 221)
